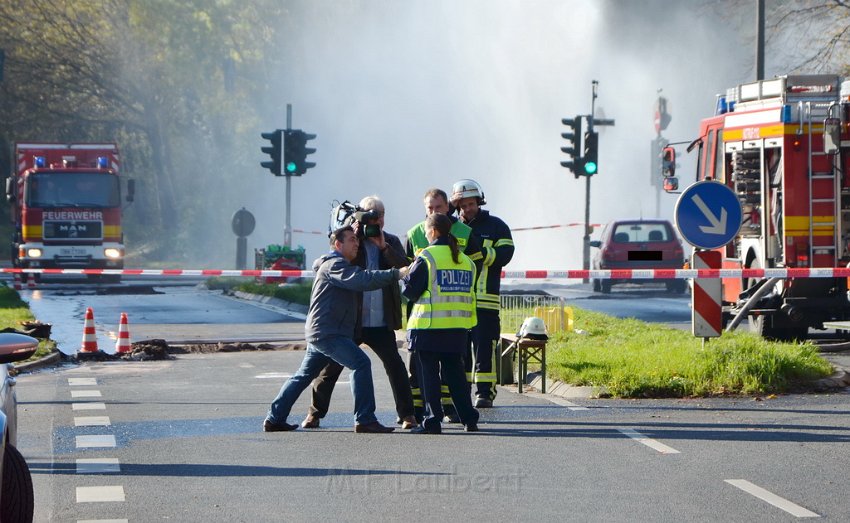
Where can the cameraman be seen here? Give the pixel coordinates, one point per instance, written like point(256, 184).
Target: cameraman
point(378, 318)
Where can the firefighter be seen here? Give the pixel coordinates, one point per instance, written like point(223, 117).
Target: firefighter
point(441, 285)
point(437, 202)
point(497, 249)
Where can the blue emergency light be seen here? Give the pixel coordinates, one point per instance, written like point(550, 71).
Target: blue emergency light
point(102, 162)
point(40, 161)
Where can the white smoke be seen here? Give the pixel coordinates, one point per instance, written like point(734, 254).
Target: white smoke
point(405, 96)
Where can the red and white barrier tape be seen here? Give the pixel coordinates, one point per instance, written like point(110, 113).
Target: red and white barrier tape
point(630, 274)
point(553, 226)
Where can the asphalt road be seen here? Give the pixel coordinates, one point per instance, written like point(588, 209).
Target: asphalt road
point(180, 440)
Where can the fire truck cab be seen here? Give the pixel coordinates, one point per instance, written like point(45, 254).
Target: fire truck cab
point(782, 146)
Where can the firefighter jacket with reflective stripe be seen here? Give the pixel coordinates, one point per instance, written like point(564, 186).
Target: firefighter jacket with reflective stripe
point(469, 245)
point(497, 249)
point(448, 300)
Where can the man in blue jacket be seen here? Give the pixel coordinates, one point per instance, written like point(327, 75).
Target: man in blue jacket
point(329, 332)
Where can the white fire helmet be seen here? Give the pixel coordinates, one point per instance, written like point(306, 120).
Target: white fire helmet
point(533, 328)
point(467, 188)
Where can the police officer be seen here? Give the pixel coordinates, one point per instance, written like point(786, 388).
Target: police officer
point(497, 249)
point(437, 202)
point(441, 286)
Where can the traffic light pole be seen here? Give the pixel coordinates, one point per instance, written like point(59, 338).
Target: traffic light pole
point(586, 240)
point(287, 224)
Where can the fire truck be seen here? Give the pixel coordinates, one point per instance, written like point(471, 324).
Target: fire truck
point(782, 146)
point(66, 207)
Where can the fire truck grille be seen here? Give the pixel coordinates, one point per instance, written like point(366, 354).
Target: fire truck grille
point(73, 230)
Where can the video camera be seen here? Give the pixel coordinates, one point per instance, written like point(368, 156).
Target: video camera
point(347, 213)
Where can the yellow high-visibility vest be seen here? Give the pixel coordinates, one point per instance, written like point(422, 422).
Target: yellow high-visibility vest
point(449, 300)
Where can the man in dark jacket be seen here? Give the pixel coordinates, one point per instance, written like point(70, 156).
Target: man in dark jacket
point(378, 318)
point(329, 331)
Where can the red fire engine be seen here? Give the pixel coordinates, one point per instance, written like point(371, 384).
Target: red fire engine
point(66, 207)
point(782, 146)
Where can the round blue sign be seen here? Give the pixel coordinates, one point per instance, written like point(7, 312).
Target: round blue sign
point(708, 214)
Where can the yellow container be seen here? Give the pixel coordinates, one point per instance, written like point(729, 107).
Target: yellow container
point(557, 319)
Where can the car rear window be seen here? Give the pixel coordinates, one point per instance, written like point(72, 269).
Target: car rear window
point(641, 232)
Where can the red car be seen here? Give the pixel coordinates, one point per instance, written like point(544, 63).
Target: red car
point(638, 244)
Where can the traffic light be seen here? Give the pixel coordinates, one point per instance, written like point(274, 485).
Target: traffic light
point(573, 149)
point(668, 162)
point(272, 165)
point(590, 158)
point(295, 152)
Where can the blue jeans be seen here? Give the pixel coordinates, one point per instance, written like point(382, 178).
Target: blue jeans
point(319, 353)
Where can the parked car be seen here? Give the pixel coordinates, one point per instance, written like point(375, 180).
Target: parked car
point(638, 244)
point(16, 494)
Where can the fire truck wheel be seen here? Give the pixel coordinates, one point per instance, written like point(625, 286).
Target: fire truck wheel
point(605, 286)
point(596, 287)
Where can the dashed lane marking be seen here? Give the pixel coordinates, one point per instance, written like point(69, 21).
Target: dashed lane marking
point(557, 401)
point(86, 394)
point(98, 465)
point(88, 406)
point(95, 441)
point(778, 502)
point(74, 382)
point(649, 442)
point(273, 375)
point(100, 494)
point(91, 421)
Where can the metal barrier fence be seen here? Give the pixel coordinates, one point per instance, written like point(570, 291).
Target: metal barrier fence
point(515, 308)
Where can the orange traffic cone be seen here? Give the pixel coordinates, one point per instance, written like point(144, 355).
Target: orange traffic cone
point(122, 345)
point(17, 279)
point(31, 281)
point(89, 336)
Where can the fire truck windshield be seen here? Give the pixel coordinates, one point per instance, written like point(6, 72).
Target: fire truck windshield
point(72, 190)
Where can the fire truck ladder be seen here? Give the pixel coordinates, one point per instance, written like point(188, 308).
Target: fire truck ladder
point(806, 123)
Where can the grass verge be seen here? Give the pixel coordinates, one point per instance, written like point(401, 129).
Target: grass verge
point(632, 359)
point(298, 292)
point(13, 311)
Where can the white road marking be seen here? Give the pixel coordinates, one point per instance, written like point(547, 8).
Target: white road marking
point(246, 365)
point(273, 375)
point(97, 465)
point(91, 421)
point(86, 394)
point(100, 494)
point(765, 495)
point(88, 406)
point(562, 402)
point(649, 442)
point(102, 521)
point(82, 381)
point(95, 441)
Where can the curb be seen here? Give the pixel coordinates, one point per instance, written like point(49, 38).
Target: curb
point(50, 359)
point(274, 302)
point(839, 380)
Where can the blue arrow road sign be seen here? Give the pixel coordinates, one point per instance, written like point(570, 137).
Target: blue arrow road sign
point(708, 215)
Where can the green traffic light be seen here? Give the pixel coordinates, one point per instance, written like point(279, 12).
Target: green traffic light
point(290, 167)
point(590, 167)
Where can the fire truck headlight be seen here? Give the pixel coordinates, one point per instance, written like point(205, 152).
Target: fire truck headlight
point(34, 253)
point(112, 253)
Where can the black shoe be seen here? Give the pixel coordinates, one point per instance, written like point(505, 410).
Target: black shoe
point(422, 429)
point(471, 427)
point(372, 428)
point(451, 418)
point(268, 426)
point(483, 403)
